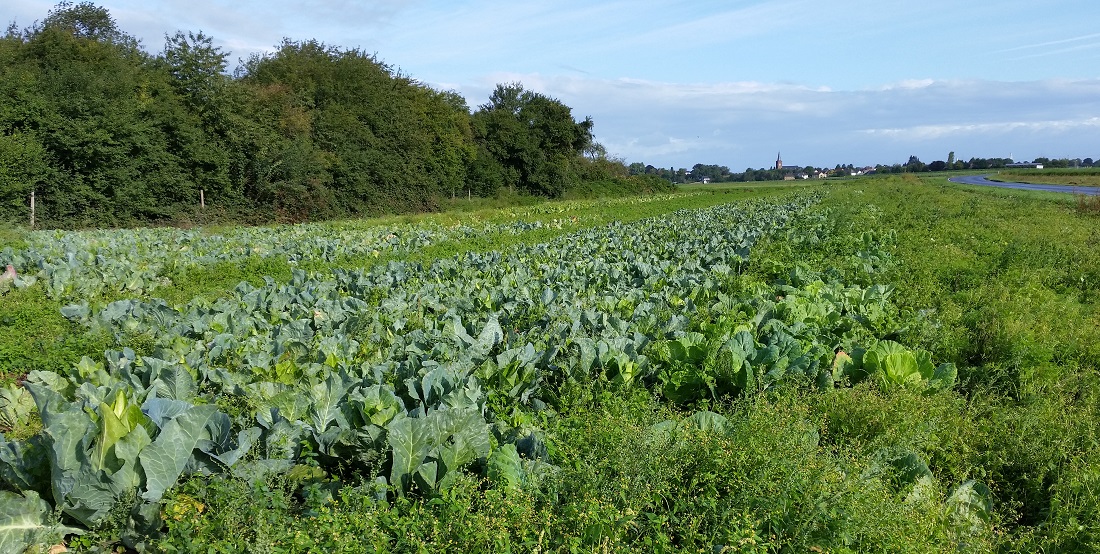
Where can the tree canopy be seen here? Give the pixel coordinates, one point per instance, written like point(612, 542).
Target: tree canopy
point(530, 141)
point(108, 134)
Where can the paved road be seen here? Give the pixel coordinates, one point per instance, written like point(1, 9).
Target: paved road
point(981, 180)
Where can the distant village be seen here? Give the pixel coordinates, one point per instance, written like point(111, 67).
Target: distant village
point(780, 171)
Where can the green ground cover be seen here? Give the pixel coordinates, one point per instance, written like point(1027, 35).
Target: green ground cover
point(775, 375)
point(1075, 177)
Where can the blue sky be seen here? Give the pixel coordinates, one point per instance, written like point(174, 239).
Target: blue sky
point(674, 83)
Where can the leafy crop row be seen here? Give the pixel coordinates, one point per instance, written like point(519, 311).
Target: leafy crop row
point(86, 264)
point(74, 265)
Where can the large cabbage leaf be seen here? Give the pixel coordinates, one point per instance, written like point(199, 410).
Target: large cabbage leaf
point(26, 520)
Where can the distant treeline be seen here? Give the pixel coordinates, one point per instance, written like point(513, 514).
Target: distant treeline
point(721, 174)
point(713, 173)
point(105, 133)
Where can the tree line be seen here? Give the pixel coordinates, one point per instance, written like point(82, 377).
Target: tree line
point(914, 165)
point(722, 174)
point(715, 173)
point(104, 133)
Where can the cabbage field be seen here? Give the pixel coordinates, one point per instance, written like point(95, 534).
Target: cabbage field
point(769, 374)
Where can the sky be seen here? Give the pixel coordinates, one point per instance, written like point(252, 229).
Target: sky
point(734, 83)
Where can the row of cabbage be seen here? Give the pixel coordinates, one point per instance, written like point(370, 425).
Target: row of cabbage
point(406, 374)
point(85, 264)
point(621, 203)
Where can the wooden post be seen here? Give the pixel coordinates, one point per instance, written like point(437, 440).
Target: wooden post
point(32, 209)
point(202, 198)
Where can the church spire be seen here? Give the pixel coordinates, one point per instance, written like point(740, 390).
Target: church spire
point(779, 160)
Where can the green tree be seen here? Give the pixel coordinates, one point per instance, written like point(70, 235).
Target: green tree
point(86, 21)
point(107, 134)
point(342, 132)
point(202, 129)
point(198, 73)
point(533, 138)
point(713, 172)
point(100, 109)
point(23, 168)
point(914, 165)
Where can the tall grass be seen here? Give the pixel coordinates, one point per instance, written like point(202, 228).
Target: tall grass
point(1088, 204)
point(1084, 177)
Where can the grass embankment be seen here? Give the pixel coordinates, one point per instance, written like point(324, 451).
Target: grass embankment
point(1007, 282)
point(1070, 177)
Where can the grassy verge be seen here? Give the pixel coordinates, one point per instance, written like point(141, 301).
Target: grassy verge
point(764, 486)
point(1073, 177)
point(34, 336)
point(1006, 283)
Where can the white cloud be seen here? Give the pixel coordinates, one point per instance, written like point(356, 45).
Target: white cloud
point(1052, 43)
point(753, 20)
point(931, 132)
point(742, 124)
point(909, 84)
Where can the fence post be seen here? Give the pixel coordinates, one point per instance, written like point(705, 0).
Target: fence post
point(202, 198)
point(32, 209)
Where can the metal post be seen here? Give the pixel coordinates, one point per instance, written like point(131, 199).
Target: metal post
point(32, 209)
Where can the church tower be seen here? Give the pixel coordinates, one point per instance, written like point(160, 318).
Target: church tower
point(779, 161)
